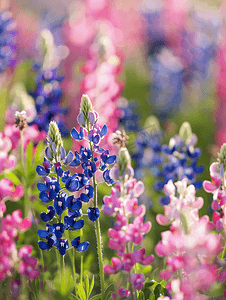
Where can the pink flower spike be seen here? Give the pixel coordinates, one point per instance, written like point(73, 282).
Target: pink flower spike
point(137, 281)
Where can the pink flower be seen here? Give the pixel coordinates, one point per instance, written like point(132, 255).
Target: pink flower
point(5, 265)
point(28, 262)
point(140, 257)
point(116, 266)
point(133, 234)
point(128, 260)
point(22, 225)
point(137, 280)
point(132, 208)
point(117, 238)
point(122, 293)
point(216, 174)
point(8, 191)
point(143, 228)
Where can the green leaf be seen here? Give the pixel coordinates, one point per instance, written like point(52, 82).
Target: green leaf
point(72, 296)
point(96, 297)
point(109, 289)
point(12, 177)
point(81, 292)
point(29, 157)
point(91, 286)
point(152, 297)
point(141, 296)
point(87, 287)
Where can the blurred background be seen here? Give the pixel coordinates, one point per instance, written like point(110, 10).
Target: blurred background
point(133, 58)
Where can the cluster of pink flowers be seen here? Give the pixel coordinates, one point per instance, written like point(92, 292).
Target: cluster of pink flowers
point(123, 204)
point(190, 246)
point(12, 260)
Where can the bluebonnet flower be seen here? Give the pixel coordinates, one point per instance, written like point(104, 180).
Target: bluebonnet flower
point(45, 217)
point(129, 119)
point(167, 71)
point(62, 246)
point(53, 188)
point(79, 246)
point(93, 213)
point(48, 92)
point(7, 40)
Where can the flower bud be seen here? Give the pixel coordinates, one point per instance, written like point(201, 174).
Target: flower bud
point(55, 141)
point(124, 160)
point(85, 108)
point(185, 131)
point(152, 125)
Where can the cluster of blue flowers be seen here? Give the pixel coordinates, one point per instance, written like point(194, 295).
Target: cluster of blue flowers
point(90, 159)
point(181, 61)
point(7, 40)
point(47, 96)
point(175, 161)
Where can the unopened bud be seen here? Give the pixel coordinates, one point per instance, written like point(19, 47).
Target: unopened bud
point(123, 160)
point(86, 107)
point(185, 131)
point(55, 141)
point(152, 125)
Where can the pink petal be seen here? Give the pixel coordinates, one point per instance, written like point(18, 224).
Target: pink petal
point(140, 211)
point(148, 260)
point(139, 188)
point(215, 205)
point(25, 225)
point(108, 270)
point(162, 220)
point(146, 227)
point(208, 186)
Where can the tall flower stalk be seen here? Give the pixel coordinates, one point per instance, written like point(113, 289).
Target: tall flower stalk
point(91, 159)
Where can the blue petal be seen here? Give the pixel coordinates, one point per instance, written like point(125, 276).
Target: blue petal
point(42, 233)
point(78, 224)
point(83, 246)
point(111, 159)
point(43, 245)
point(75, 134)
point(69, 158)
point(75, 242)
point(42, 187)
point(84, 197)
point(44, 197)
point(41, 171)
point(103, 131)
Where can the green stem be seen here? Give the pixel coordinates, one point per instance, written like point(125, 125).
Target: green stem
point(62, 262)
point(81, 268)
point(22, 148)
point(98, 237)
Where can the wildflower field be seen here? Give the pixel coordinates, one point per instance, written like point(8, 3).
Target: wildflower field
point(113, 150)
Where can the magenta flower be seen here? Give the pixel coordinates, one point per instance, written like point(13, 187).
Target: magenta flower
point(137, 281)
point(128, 260)
point(140, 257)
point(117, 238)
point(216, 174)
point(122, 293)
point(116, 266)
